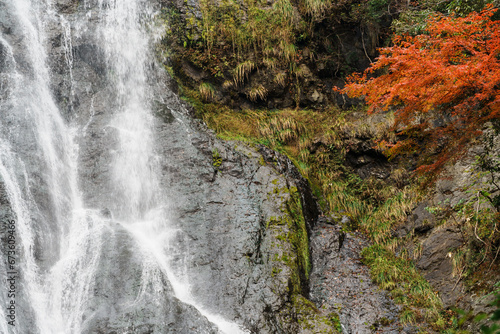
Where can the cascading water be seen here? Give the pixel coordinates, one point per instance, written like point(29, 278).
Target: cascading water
point(88, 256)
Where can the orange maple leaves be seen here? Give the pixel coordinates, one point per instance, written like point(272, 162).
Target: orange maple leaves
point(443, 85)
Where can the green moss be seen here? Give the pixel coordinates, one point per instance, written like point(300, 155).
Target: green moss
point(275, 271)
point(309, 317)
point(407, 286)
point(292, 250)
point(272, 221)
point(216, 159)
point(300, 238)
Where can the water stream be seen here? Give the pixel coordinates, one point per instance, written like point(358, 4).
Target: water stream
point(79, 266)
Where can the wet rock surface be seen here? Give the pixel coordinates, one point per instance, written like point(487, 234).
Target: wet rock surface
point(436, 263)
point(233, 238)
point(119, 282)
point(341, 283)
point(233, 219)
point(116, 300)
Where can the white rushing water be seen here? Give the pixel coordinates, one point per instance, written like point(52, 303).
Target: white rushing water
point(135, 166)
point(58, 225)
point(59, 239)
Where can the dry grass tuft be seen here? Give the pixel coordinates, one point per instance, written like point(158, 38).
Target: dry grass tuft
point(270, 63)
point(280, 79)
point(242, 71)
point(228, 84)
point(257, 92)
point(207, 92)
point(317, 8)
point(281, 129)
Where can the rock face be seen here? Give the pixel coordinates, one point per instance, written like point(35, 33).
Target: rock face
point(240, 223)
point(239, 216)
point(341, 283)
point(436, 263)
point(439, 234)
point(118, 281)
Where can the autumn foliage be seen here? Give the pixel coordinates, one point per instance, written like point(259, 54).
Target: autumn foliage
point(443, 85)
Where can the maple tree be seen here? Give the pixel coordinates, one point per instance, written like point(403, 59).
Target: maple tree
point(443, 85)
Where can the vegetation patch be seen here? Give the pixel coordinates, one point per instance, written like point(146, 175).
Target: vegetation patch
point(258, 51)
point(319, 143)
point(398, 275)
point(291, 254)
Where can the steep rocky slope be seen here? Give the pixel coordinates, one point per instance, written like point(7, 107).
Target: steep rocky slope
point(240, 216)
point(247, 235)
point(432, 231)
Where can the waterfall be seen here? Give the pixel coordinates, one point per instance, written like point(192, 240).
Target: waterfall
point(89, 253)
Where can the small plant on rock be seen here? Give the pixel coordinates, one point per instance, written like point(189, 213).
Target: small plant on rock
point(207, 92)
point(216, 159)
